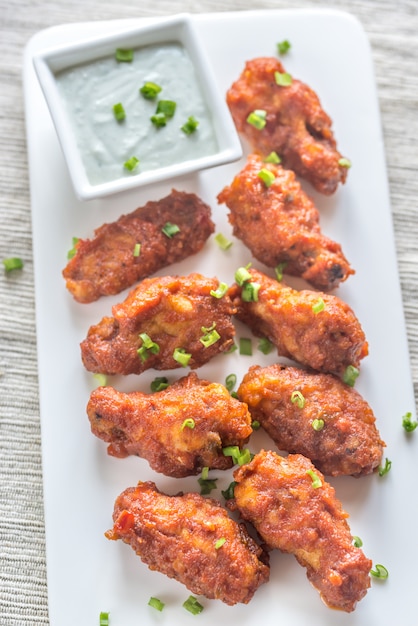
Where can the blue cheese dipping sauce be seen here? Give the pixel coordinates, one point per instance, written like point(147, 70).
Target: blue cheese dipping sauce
point(91, 90)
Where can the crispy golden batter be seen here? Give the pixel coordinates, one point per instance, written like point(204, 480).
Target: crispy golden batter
point(280, 225)
point(292, 513)
point(328, 340)
point(178, 535)
point(335, 427)
point(174, 312)
point(106, 264)
point(179, 430)
point(297, 127)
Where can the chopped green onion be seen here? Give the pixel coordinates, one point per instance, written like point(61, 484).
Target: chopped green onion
point(181, 356)
point(242, 275)
point(71, 253)
point(220, 543)
point(190, 126)
point(228, 494)
point(232, 348)
point(205, 472)
point(384, 469)
point(159, 120)
point(283, 46)
point(150, 90)
point(230, 381)
point(357, 542)
point(148, 346)
point(279, 269)
point(159, 383)
point(206, 485)
point(257, 119)
point(318, 306)
point(316, 481)
point(192, 605)
point(131, 164)
point(282, 79)
point(101, 379)
point(318, 424)
point(188, 423)
point(408, 424)
point(245, 346)
point(104, 619)
point(137, 249)
point(13, 263)
point(250, 291)
point(350, 375)
point(119, 111)
point(343, 162)
point(266, 176)
point(239, 457)
point(265, 345)
point(220, 291)
point(210, 336)
point(273, 157)
point(298, 399)
point(167, 107)
point(222, 241)
point(255, 425)
point(380, 571)
point(124, 55)
point(156, 604)
point(170, 229)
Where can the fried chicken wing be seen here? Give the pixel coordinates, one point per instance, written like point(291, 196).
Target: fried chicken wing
point(296, 511)
point(333, 425)
point(280, 225)
point(107, 264)
point(191, 539)
point(164, 323)
point(179, 430)
point(296, 126)
point(315, 329)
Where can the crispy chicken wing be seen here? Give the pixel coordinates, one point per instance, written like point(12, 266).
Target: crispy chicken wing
point(164, 323)
point(315, 329)
point(107, 264)
point(280, 225)
point(296, 511)
point(178, 430)
point(296, 127)
point(191, 539)
point(328, 421)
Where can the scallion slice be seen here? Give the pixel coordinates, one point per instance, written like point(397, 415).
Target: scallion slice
point(148, 346)
point(71, 253)
point(222, 241)
point(159, 383)
point(265, 345)
point(156, 604)
point(210, 336)
point(228, 494)
point(357, 542)
point(266, 176)
point(255, 425)
point(350, 375)
point(220, 291)
point(297, 398)
point(279, 269)
point(230, 382)
point(190, 126)
point(318, 424)
point(181, 356)
point(250, 291)
point(13, 263)
point(245, 346)
point(124, 55)
point(150, 90)
point(384, 469)
point(137, 249)
point(283, 79)
point(188, 423)
point(219, 543)
point(409, 424)
point(257, 119)
point(119, 111)
point(170, 229)
point(283, 46)
point(159, 120)
point(273, 157)
point(380, 571)
point(318, 305)
point(104, 619)
point(192, 605)
point(242, 275)
point(131, 164)
point(101, 379)
point(167, 107)
point(316, 481)
point(344, 162)
point(239, 457)
point(206, 485)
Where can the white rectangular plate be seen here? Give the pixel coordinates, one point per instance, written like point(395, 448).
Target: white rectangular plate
point(86, 572)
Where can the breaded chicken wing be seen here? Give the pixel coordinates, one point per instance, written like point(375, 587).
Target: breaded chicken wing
point(191, 539)
point(179, 430)
point(316, 415)
point(164, 323)
point(280, 225)
point(296, 126)
point(296, 511)
point(108, 263)
point(313, 328)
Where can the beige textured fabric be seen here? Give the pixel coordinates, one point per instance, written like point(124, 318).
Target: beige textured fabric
point(392, 29)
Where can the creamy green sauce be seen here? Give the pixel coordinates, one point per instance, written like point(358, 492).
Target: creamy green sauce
point(91, 90)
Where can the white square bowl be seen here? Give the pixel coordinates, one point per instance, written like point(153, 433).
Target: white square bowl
point(177, 30)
